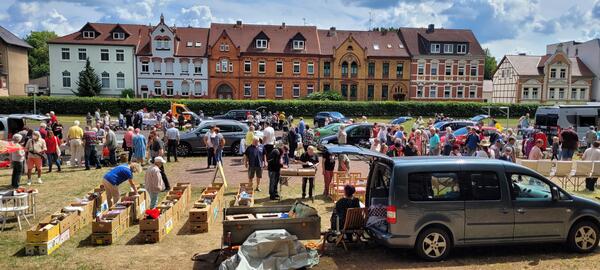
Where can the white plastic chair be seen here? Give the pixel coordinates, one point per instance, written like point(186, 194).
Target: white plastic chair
point(562, 172)
point(544, 167)
point(583, 169)
point(17, 204)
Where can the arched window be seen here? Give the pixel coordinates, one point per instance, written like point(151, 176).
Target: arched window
point(350, 48)
point(353, 69)
point(120, 80)
point(66, 77)
point(345, 69)
point(105, 80)
point(197, 88)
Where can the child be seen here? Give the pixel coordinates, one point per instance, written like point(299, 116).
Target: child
point(555, 147)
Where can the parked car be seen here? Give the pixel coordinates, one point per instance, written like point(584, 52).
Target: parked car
point(358, 134)
point(192, 142)
point(336, 117)
point(239, 115)
point(326, 131)
point(461, 134)
point(480, 117)
point(400, 120)
point(434, 204)
point(455, 125)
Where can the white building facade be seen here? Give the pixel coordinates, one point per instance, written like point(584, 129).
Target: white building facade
point(589, 53)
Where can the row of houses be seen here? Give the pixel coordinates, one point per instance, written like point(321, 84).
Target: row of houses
point(248, 61)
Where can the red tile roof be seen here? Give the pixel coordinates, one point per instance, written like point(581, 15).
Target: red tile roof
point(412, 36)
point(135, 32)
point(376, 43)
point(194, 35)
point(280, 37)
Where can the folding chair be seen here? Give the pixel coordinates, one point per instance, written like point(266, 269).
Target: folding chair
point(356, 219)
point(360, 184)
point(355, 175)
point(338, 191)
point(544, 167)
point(562, 172)
point(583, 169)
point(531, 164)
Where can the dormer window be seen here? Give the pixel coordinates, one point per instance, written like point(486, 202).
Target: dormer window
point(448, 48)
point(298, 44)
point(261, 43)
point(89, 34)
point(189, 44)
point(435, 48)
point(118, 35)
point(461, 48)
point(198, 44)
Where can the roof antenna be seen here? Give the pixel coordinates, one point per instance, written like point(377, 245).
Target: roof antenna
point(370, 21)
point(304, 20)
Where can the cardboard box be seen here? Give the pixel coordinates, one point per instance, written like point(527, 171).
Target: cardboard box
point(158, 235)
point(34, 235)
point(105, 226)
point(68, 221)
point(156, 224)
point(199, 214)
point(198, 227)
point(104, 238)
point(88, 212)
point(47, 248)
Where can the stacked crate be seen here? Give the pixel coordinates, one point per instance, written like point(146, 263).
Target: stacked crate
point(171, 209)
point(245, 195)
point(206, 209)
point(110, 225)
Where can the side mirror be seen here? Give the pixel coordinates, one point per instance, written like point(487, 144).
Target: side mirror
point(555, 194)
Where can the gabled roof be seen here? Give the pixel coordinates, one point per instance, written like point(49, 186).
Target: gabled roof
point(183, 35)
point(11, 39)
point(104, 36)
point(280, 37)
point(388, 43)
point(413, 36)
point(533, 65)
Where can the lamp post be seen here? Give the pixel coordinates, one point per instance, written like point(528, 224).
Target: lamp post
point(33, 89)
point(505, 111)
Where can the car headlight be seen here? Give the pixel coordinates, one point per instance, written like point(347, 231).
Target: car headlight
point(324, 141)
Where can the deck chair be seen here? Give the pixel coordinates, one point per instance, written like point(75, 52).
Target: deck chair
point(583, 169)
point(531, 164)
point(562, 172)
point(355, 175)
point(544, 167)
point(356, 219)
point(596, 170)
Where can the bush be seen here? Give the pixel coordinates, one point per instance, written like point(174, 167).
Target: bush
point(326, 95)
point(81, 105)
point(127, 93)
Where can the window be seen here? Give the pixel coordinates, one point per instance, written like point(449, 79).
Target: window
point(534, 93)
point(197, 88)
point(156, 63)
point(345, 69)
point(399, 70)
point(197, 67)
point(353, 69)
point(118, 35)
point(309, 89)
point(529, 188)
point(421, 68)
point(551, 93)
point(582, 94)
point(485, 186)
point(552, 73)
point(224, 64)
point(461, 69)
point(344, 90)
point(247, 66)
point(105, 80)
point(169, 66)
point(145, 67)
point(433, 187)
point(157, 89)
point(433, 91)
point(563, 73)
point(435, 48)
point(120, 80)
point(279, 90)
point(384, 92)
point(525, 92)
point(230, 67)
point(261, 89)
point(66, 79)
point(448, 69)
point(170, 88)
point(189, 44)
point(447, 91)
point(460, 91)
point(89, 34)
point(262, 67)
point(561, 93)
point(218, 67)
point(185, 88)
point(296, 90)
point(82, 54)
point(370, 92)
point(224, 47)
point(310, 67)
point(574, 93)
point(296, 67)
point(434, 68)
point(386, 70)
point(66, 54)
point(166, 44)
point(473, 69)
point(473, 91)
point(184, 66)
point(120, 55)
point(104, 55)
point(420, 91)
point(461, 48)
point(327, 69)
point(279, 67)
point(247, 90)
point(261, 43)
point(353, 90)
point(448, 48)
point(371, 69)
point(198, 44)
point(298, 44)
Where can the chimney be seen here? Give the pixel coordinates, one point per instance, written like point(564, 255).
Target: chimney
point(238, 24)
point(523, 54)
point(283, 25)
point(431, 28)
point(331, 31)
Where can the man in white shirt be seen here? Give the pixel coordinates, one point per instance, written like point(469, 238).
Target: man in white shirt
point(591, 154)
point(172, 135)
point(268, 138)
point(210, 153)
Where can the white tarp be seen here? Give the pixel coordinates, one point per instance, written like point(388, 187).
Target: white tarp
point(271, 249)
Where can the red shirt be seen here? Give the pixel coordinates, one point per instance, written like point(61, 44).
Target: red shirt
point(375, 132)
point(52, 144)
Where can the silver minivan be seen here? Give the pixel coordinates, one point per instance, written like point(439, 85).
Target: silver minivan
point(434, 204)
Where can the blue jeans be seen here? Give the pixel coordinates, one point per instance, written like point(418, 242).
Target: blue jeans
point(153, 199)
point(219, 156)
point(567, 154)
point(273, 183)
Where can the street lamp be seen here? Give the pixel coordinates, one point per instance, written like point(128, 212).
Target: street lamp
point(33, 89)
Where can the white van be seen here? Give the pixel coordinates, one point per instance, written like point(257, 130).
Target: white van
point(552, 119)
point(13, 123)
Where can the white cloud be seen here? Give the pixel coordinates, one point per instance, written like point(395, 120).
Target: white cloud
point(198, 16)
point(138, 11)
point(416, 14)
point(57, 22)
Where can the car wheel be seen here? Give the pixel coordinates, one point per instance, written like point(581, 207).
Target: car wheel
point(433, 244)
point(184, 149)
point(583, 237)
point(235, 148)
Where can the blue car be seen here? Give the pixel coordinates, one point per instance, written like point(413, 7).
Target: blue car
point(400, 120)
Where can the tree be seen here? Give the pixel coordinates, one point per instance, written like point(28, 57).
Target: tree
point(325, 95)
point(38, 56)
point(89, 84)
point(490, 65)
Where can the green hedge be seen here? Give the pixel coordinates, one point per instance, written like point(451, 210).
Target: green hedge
point(80, 105)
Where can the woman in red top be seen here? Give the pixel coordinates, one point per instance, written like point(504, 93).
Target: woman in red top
point(375, 130)
point(53, 152)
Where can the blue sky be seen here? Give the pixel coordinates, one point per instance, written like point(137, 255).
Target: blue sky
point(504, 26)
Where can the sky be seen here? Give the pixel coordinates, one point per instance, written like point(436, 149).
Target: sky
point(503, 26)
